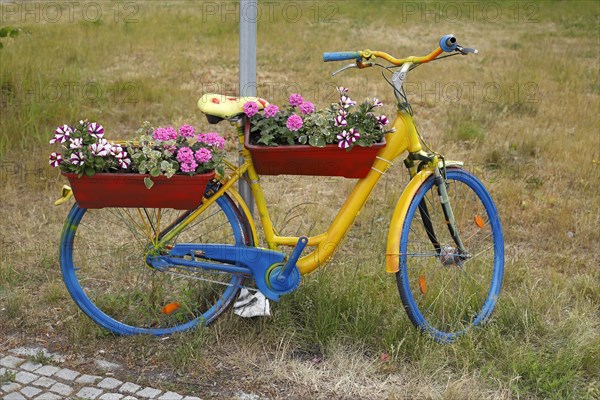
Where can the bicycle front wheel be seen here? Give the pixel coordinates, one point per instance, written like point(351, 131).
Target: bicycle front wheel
point(445, 292)
point(103, 261)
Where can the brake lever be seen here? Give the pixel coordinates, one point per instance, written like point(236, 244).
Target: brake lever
point(358, 64)
point(353, 65)
point(466, 50)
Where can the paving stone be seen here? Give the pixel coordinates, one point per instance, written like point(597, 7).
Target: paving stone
point(111, 396)
point(129, 398)
point(49, 396)
point(47, 370)
point(62, 389)
point(109, 383)
point(191, 398)
point(25, 377)
point(148, 393)
point(129, 387)
point(33, 351)
point(2, 370)
point(11, 361)
point(107, 365)
point(14, 396)
point(44, 381)
point(89, 393)
point(10, 387)
point(30, 366)
point(170, 396)
point(30, 391)
point(87, 379)
point(67, 374)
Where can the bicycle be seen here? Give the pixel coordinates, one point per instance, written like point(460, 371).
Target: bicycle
point(160, 271)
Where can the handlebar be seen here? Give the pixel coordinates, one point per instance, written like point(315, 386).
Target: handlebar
point(447, 43)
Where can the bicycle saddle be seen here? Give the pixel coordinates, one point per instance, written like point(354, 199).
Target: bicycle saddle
point(218, 107)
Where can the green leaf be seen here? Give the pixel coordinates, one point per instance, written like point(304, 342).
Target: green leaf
point(4, 32)
point(89, 171)
point(148, 182)
point(155, 171)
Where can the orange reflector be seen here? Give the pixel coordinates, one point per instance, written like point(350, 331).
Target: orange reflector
point(479, 221)
point(422, 284)
point(170, 308)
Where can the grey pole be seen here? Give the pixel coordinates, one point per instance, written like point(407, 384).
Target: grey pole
point(248, 20)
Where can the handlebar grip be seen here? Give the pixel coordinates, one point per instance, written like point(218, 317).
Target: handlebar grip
point(448, 43)
point(341, 55)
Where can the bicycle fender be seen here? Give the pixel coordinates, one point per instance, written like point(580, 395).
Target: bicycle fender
point(392, 252)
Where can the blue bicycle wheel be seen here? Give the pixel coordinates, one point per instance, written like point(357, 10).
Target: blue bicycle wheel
point(446, 292)
point(102, 256)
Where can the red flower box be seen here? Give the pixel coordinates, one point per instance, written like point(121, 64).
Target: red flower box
point(309, 160)
point(182, 192)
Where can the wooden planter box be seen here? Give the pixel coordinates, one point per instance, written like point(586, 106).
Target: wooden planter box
point(182, 192)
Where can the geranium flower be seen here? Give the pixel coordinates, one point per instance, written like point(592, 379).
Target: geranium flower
point(61, 134)
point(212, 139)
point(164, 134)
point(203, 155)
point(346, 138)
point(189, 166)
point(185, 155)
point(307, 107)
point(77, 158)
point(55, 159)
point(295, 100)
point(76, 143)
point(271, 110)
point(187, 131)
point(294, 122)
point(346, 102)
point(96, 130)
point(340, 120)
point(250, 108)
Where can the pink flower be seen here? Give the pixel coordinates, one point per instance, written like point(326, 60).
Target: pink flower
point(189, 166)
point(212, 139)
point(61, 134)
point(185, 155)
point(203, 155)
point(307, 107)
point(250, 108)
point(295, 100)
point(340, 121)
point(294, 122)
point(55, 159)
point(271, 110)
point(346, 138)
point(187, 131)
point(164, 134)
point(96, 130)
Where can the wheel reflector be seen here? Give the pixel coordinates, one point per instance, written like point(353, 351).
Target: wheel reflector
point(170, 308)
point(422, 284)
point(479, 221)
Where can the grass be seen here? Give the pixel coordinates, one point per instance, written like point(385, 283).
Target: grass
point(526, 122)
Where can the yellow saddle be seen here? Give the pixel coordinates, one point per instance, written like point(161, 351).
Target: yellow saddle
point(218, 107)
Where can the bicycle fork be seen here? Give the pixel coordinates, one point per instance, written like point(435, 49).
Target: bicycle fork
point(447, 254)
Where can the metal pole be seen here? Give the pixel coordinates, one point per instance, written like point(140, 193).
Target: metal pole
point(248, 20)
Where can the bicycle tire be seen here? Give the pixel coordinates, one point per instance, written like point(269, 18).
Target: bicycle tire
point(102, 257)
point(440, 298)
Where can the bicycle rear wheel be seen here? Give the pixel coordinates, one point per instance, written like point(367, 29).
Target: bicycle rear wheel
point(445, 294)
point(103, 262)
